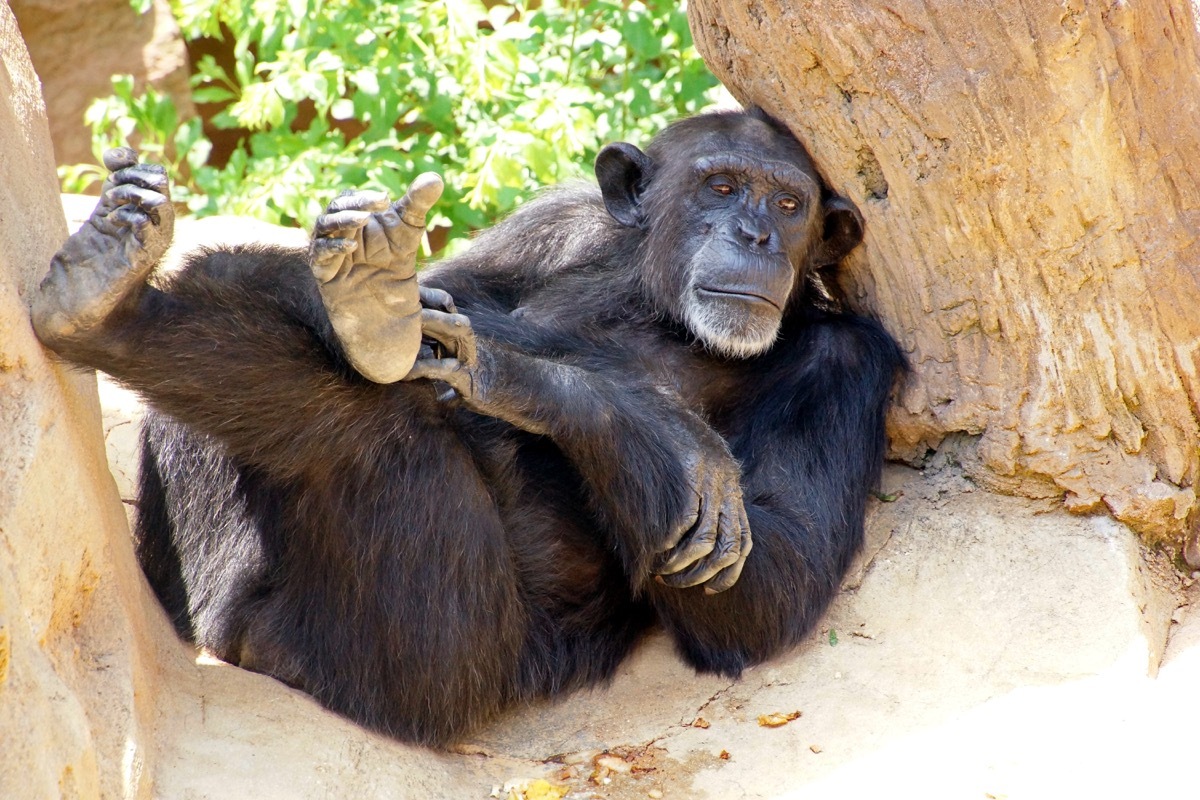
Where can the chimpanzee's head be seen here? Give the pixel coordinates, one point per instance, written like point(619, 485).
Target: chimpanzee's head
point(733, 214)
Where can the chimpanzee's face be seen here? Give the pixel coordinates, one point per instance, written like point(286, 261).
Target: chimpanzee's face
point(733, 213)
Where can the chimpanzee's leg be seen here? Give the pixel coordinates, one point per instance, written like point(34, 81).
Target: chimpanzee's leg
point(332, 531)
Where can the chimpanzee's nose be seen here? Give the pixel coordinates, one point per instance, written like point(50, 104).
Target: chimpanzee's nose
point(753, 231)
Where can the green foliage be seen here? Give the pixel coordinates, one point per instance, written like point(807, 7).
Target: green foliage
point(500, 98)
point(148, 121)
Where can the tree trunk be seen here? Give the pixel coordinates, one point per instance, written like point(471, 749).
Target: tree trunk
point(1028, 174)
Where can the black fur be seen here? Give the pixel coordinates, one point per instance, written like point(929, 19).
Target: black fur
point(417, 566)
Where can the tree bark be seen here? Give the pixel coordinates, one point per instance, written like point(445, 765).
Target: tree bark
point(1028, 174)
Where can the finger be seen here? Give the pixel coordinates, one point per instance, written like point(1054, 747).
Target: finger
point(695, 575)
point(722, 554)
point(437, 298)
point(447, 370)
point(127, 193)
point(352, 200)
point(148, 176)
point(726, 578)
point(404, 222)
point(726, 552)
point(422, 193)
point(688, 522)
point(451, 330)
point(340, 223)
point(693, 548)
point(327, 256)
point(119, 158)
point(130, 216)
point(130, 196)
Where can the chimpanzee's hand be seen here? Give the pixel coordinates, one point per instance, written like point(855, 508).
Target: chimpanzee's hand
point(364, 256)
point(106, 262)
point(710, 543)
point(449, 351)
point(473, 371)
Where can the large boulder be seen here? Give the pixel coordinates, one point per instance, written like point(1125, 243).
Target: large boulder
point(77, 674)
point(77, 45)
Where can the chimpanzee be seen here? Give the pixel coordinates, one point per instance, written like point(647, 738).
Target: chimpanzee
point(424, 499)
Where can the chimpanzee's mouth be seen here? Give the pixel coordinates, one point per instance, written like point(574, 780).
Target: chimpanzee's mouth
point(738, 293)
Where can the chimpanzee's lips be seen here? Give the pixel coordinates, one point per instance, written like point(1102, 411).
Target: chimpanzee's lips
point(738, 293)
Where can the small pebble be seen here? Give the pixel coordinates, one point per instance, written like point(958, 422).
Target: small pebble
point(614, 763)
point(655, 794)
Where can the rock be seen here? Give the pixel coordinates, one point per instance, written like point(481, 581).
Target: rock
point(1028, 180)
point(1191, 551)
point(978, 607)
point(77, 683)
point(76, 45)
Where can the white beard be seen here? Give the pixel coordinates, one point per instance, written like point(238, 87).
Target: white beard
point(728, 327)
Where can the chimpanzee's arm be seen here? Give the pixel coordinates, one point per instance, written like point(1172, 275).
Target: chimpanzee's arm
point(812, 450)
point(663, 480)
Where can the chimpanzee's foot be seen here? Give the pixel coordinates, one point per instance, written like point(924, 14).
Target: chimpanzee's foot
point(103, 266)
point(364, 256)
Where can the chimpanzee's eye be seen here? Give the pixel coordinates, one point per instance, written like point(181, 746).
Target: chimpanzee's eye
point(721, 184)
point(788, 204)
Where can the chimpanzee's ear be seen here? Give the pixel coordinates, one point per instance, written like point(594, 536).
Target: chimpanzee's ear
point(623, 172)
point(842, 231)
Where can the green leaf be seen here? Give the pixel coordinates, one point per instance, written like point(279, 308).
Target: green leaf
point(212, 94)
point(501, 97)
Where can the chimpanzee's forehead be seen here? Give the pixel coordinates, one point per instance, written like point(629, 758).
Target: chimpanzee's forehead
point(756, 137)
point(734, 134)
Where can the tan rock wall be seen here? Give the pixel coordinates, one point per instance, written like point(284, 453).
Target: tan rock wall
point(75, 687)
point(77, 46)
point(1028, 177)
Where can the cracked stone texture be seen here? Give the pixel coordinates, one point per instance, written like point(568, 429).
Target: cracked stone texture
point(984, 645)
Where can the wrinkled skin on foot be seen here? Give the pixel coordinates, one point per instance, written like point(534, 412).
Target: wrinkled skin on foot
point(363, 254)
point(101, 268)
